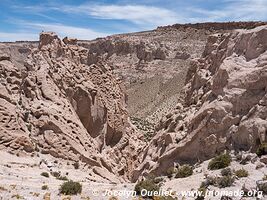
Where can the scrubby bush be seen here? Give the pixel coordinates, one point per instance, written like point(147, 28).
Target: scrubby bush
point(45, 187)
point(45, 174)
point(70, 188)
point(262, 149)
point(158, 179)
point(202, 189)
point(225, 181)
point(55, 174)
point(184, 171)
point(147, 184)
point(200, 197)
point(76, 165)
point(220, 162)
point(241, 173)
point(210, 180)
point(262, 186)
point(171, 171)
point(226, 172)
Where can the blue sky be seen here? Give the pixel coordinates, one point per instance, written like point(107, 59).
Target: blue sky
point(85, 19)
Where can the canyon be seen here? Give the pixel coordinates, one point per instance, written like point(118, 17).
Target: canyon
point(131, 105)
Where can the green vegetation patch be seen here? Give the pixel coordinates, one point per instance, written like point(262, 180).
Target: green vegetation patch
point(220, 162)
point(184, 171)
point(70, 188)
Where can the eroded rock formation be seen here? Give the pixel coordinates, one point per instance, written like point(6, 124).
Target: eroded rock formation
point(61, 105)
point(225, 104)
point(65, 99)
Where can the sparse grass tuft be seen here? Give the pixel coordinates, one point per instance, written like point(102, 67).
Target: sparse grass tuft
point(241, 173)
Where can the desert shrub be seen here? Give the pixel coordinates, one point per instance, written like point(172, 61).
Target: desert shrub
point(76, 165)
point(62, 178)
point(184, 171)
point(202, 189)
point(147, 184)
point(45, 174)
point(70, 188)
point(164, 198)
point(220, 162)
point(262, 186)
point(55, 174)
point(200, 197)
point(158, 180)
point(262, 149)
point(226, 172)
point(241, 173)
point(210, 180)
point(225, 181)
point(171, 171)
point(45, 187)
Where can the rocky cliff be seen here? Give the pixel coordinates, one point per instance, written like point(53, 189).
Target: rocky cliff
point(224, 108)
point(57, 103)
point(152, 64)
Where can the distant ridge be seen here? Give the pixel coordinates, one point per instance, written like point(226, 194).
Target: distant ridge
point(217, 25)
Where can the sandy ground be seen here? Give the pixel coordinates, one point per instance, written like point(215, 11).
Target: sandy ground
point(20, 178)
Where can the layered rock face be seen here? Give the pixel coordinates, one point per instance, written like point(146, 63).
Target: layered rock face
point(60, 104)
point(225, 105)
point(152, 64)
